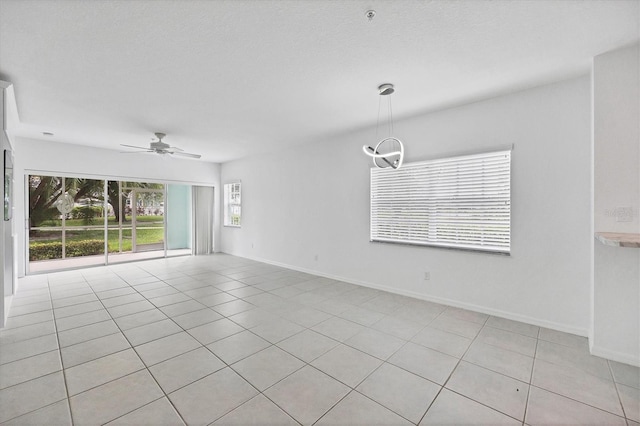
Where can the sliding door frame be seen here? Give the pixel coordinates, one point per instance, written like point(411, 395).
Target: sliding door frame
point(105, 207)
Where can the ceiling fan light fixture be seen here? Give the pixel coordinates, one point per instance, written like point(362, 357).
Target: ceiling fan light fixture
point(161, 148)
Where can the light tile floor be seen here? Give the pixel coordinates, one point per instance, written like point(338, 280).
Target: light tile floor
point(225, 340)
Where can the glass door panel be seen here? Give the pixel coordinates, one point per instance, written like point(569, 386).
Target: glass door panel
point(178, 219)
point(148, 220)
point(66, 222)
point(45, 221)
point(84, 224)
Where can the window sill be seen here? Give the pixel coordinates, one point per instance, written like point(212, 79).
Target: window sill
point(615, 239)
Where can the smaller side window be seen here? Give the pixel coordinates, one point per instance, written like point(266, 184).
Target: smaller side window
point(233, 204)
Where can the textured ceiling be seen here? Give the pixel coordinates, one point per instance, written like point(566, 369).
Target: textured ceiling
point(231, 78)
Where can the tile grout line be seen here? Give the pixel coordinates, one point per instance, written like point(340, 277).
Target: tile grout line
point(383, 361)
point(452, 370)
point(301, 305)
point(146, 367)
point(580, 402)
point(306, 364)
point(238, 373)
point(48, 374)
point(126, 375)
point(456, 367)
point(615, 385)
point(354, 389)
point(201, 346)
point(565, 396)
point(258, 390)
point(339, 401)
point(388, 408)
point(533, 367)
point(64, 375)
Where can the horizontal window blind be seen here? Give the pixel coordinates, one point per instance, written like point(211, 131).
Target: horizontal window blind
point(459, 202)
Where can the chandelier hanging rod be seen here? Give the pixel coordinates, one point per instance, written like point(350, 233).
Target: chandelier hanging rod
point(395, 156)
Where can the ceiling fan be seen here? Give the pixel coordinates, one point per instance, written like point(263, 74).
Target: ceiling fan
point(159, 147)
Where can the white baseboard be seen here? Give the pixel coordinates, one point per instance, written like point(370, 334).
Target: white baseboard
point(7, 306)
point(615, 355)
point(444, 301)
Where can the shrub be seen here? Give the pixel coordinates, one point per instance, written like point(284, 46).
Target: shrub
point(43, 251)
point(86, 213)
point(53, 249)
point(84, 248)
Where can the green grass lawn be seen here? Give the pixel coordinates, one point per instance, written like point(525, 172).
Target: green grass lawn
point(150, 230)
point(157, 221)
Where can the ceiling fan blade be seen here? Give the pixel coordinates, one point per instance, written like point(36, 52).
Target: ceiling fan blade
point(186, 154)
point(159, 147)
point(146, 151)
point(133, 146)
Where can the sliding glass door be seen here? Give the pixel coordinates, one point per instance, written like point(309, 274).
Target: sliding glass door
point(77, 222)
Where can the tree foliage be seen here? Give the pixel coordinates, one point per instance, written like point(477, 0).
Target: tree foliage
point(44, 191)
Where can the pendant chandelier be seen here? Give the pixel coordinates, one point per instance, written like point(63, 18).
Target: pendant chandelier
point(389, 151)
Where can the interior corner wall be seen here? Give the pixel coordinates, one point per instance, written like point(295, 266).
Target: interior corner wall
point(615, 330)
point(60, 159)
point(308, 208)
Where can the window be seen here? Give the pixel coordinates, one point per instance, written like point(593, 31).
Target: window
point(232, 204)
point(459, 202)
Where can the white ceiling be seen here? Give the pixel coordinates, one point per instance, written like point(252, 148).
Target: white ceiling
point(231, 78)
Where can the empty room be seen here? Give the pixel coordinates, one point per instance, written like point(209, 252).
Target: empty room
point(289, 212)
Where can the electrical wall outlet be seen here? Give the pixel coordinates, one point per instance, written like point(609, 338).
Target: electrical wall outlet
point(624, 214)
point(315, 258)
point(427, 276)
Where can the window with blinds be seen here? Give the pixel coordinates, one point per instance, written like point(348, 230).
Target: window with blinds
point(460, 202)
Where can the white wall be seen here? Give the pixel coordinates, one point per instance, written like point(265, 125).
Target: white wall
point(59, 159)
point(616, 134)
point(8, 116)
point(615, 330)
point(314, 200)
